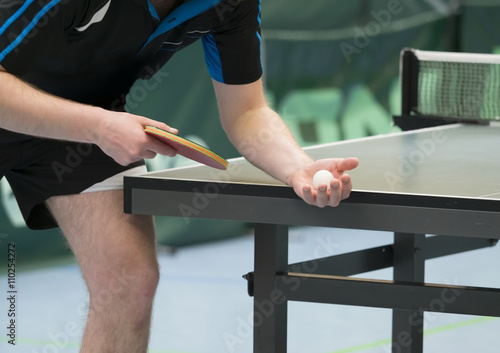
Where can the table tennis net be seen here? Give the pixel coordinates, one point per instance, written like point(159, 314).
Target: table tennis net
point(463, 86)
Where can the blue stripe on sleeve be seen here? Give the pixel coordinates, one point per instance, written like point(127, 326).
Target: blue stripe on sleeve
point(258, 34)
point(212, 58)
point(15, 16)
point(258, 16)
point(28, 28)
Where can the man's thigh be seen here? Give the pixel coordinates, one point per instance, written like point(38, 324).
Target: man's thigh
point(106, 241)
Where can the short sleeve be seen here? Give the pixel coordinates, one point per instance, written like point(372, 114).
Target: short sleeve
point(233, 51)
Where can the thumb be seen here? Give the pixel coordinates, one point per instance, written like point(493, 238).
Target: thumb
point(347, 164)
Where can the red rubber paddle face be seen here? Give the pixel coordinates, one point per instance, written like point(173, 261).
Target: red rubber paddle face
point(188, 148)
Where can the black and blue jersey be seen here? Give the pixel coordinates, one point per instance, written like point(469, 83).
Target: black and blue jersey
point(92, 51)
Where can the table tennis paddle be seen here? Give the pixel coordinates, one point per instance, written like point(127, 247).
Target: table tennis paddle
point(188, 148)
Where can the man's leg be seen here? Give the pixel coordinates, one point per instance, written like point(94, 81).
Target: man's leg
point(117, 256)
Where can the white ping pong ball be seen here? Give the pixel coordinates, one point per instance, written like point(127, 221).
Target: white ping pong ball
point(322, 177)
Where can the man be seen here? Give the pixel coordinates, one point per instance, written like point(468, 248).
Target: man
point(66, 66)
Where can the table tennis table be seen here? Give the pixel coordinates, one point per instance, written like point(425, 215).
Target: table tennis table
point(437, 189)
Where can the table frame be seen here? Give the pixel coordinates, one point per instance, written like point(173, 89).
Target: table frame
point(465, 224)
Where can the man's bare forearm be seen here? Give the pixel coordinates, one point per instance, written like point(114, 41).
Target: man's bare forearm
point(265, 140)
point(257, 131)
point(27, 110)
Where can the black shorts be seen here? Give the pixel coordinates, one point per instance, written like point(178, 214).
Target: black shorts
point(37, 169)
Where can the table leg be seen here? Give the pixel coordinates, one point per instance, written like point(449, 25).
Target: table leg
point(409, 265)
point(270, 307)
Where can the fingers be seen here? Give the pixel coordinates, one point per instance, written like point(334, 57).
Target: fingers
point(308, 196)
point(157, 146)
point(328, 195)
point(127, 142)
point(126, 158)
point(146, 148)
point(346, 186)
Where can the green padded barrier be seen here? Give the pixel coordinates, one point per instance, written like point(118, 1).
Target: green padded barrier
point(313, 115)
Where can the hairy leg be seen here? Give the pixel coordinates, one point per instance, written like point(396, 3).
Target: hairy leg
point(117, 256)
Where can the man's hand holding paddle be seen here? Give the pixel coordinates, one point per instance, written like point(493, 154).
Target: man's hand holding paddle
point(123, 138)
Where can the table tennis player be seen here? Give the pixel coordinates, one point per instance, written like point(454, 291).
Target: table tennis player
point(66, 140)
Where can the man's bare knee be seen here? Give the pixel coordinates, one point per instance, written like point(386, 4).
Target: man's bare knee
point(116, 251)
point(130, 288)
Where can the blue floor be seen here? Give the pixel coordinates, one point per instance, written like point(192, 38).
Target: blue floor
point(202, 305)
